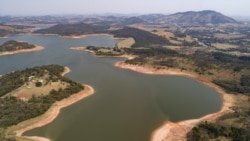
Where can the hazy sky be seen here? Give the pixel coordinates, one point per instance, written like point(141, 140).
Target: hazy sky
point(45, 7)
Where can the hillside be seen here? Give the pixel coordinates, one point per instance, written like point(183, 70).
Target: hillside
point(142, 38)
point(199, 18)
point(6, 30)
point(73, 29)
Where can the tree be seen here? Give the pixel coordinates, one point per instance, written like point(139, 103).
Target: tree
point(39, 84)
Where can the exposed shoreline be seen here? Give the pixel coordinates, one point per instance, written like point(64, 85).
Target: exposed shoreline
point(54, 111)
point(66, 70)
point(177, 131)
point(36, 48)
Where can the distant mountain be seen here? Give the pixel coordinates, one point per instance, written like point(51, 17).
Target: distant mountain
point(6, 30)
point(132, 20)
point(73, 29)
point(151, 17)
point(192, 18)
point(142, 38)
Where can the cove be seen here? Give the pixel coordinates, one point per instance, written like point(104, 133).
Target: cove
point(126, 106)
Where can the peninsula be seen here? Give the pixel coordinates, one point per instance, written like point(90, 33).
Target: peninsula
point(42, 92)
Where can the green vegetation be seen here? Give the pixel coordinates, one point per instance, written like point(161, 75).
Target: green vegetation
point(15, 110)
point(142, 38)
point(73, 29)
point(234, 126)
point(206, 131)
point(105, 51)
point(14, 45)
point(211, 65)
point(230, 72)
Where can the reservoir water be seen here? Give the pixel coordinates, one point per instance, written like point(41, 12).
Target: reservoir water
point(126, 106)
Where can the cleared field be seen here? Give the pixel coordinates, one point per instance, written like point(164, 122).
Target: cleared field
point(164, 34)
point(189, 39)
point(224, 46)
point(229, 36)
point(29, 89)
point(126, 43)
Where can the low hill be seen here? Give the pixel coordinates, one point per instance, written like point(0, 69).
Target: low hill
point(142, 38)
point(73, 29)
point(15, 45)
point(132, 20)
point(199, 18)
point(151, 17)
point(6, 30)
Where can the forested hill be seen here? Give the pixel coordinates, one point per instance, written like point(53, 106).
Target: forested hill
point(15, 45)
point(142, 38)
point(73, 29)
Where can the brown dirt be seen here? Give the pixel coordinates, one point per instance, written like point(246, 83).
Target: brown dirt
point(66, 70)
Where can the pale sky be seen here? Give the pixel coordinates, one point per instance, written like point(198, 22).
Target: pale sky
point(55, 7)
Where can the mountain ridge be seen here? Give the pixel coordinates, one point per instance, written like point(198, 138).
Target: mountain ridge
point(199, 18)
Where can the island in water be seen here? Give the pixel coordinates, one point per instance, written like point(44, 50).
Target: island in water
point(15, 47)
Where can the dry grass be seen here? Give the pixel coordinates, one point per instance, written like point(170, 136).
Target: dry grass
point(175, 42)
point(224, 46)
point(126, 43)
point(189, 39)
point(173, 47)
point(237, 53)
point(164, 34)
point(229, 36)
point(27, 90)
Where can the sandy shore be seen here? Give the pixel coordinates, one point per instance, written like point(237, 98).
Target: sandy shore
point(78, 48)
point(66, 70)
point(35, 138)
point(170, 131)
point(37, 48)
point(54, 111)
